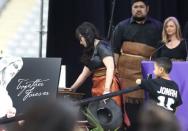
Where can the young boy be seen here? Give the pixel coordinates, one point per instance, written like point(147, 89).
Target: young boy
point(162, 89)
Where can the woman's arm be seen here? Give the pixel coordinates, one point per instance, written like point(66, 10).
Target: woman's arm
point(109, 64)
point(81, 78)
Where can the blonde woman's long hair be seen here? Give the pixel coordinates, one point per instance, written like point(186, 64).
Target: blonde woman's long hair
point(165, 38)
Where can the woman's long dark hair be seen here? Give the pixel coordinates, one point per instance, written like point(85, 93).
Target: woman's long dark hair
point(90, 33)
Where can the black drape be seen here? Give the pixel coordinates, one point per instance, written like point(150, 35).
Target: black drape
point(66, 15)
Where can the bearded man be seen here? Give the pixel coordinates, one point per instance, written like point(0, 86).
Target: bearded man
point(134, 39)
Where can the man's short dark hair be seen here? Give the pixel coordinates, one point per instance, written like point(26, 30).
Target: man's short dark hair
point(165, 63)
point(144, 1)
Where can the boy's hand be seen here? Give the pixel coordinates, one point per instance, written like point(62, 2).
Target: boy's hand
point(138, 81)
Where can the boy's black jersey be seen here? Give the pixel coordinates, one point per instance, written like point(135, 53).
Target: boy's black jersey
point(164, 92)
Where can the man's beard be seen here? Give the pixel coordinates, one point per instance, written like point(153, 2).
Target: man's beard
point(139, 18)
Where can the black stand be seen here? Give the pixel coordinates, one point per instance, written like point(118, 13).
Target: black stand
point(41, 32)
point(111, 20)
point(81, 102)
point(109, 95)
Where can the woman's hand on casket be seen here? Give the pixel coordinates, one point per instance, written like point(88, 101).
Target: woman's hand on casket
point(73, 89)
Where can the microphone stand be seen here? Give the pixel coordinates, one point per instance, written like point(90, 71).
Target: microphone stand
point(151, 56)
point(186, 49)
point(80, 102)
point(111, 20)
point(109, 95)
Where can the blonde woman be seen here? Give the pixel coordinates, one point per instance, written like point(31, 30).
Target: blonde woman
point(173, 45)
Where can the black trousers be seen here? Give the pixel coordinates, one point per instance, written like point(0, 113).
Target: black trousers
point(133, 112)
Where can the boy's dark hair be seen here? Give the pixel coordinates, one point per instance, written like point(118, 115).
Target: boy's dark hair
point(165, 63)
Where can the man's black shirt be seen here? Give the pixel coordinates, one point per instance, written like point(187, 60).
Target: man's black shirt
point(148, 33)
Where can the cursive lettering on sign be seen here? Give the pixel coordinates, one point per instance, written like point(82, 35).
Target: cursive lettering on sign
point(30, 88)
